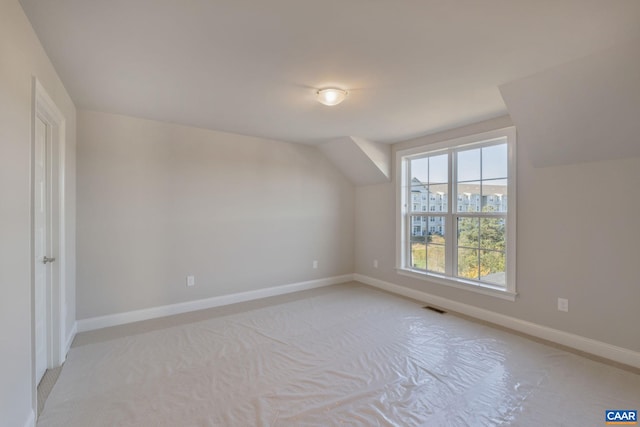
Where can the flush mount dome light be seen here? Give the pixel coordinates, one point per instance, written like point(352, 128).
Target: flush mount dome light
point(331, 96)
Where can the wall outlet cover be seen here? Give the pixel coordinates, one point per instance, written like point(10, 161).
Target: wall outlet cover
point(563, 304)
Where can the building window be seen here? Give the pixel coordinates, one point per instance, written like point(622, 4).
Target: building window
point(473, 244)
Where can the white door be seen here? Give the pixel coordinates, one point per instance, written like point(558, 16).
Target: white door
point(41, 245)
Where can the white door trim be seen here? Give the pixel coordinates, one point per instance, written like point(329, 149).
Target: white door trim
point(46, 110)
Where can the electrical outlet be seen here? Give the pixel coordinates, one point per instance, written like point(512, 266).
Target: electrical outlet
point(563, 304)
point(375, 263)
point(191, 281)
point(315, 264)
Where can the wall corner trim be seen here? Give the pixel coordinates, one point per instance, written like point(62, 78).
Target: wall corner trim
point(99, 322)
point(577, 342)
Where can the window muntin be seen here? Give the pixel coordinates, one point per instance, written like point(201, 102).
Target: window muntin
point(467, 233)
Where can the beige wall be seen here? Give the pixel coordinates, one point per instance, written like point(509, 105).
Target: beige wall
point(21, 58)
point(158, 201)
point(578, 237)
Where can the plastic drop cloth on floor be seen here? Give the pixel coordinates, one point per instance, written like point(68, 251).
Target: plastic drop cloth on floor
point(353, 356)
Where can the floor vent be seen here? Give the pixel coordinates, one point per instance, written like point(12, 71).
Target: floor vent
point(437, 310)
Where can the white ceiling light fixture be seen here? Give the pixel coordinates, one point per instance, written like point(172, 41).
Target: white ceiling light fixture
point(331, 96)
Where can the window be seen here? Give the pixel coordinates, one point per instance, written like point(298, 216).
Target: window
point(471, 237)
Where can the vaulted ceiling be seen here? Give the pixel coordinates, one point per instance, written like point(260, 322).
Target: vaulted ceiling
point(252, 67)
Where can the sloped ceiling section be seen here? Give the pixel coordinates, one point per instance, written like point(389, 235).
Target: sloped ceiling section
point(363, 162)
point(582, 111)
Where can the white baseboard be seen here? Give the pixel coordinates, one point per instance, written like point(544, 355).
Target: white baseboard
point(588, 345)
point(31, 419)
point(184, 307)
point(70, 337)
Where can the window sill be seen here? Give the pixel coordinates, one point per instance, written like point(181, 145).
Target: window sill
point(479, 288)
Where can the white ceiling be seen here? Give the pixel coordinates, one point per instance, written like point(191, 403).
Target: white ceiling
point(252, 66)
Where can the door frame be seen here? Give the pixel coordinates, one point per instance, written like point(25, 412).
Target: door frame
point(46, 110)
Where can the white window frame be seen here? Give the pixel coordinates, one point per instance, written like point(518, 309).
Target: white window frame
point(403, 214)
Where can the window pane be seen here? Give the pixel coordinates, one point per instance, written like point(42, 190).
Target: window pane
point(418, 255)
point(494, 195)
point(420, 169)
point(494, 162)
point(419, 198)
point(468, 232)
point(492, 267)
point(418, 228)
point(469, 199)
point(469, 165)
point(436, 230)
point(435, 244)
point(435, 258)
point(468, 263)
point(492, 233)
point(438, 169)
point(438, 198)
